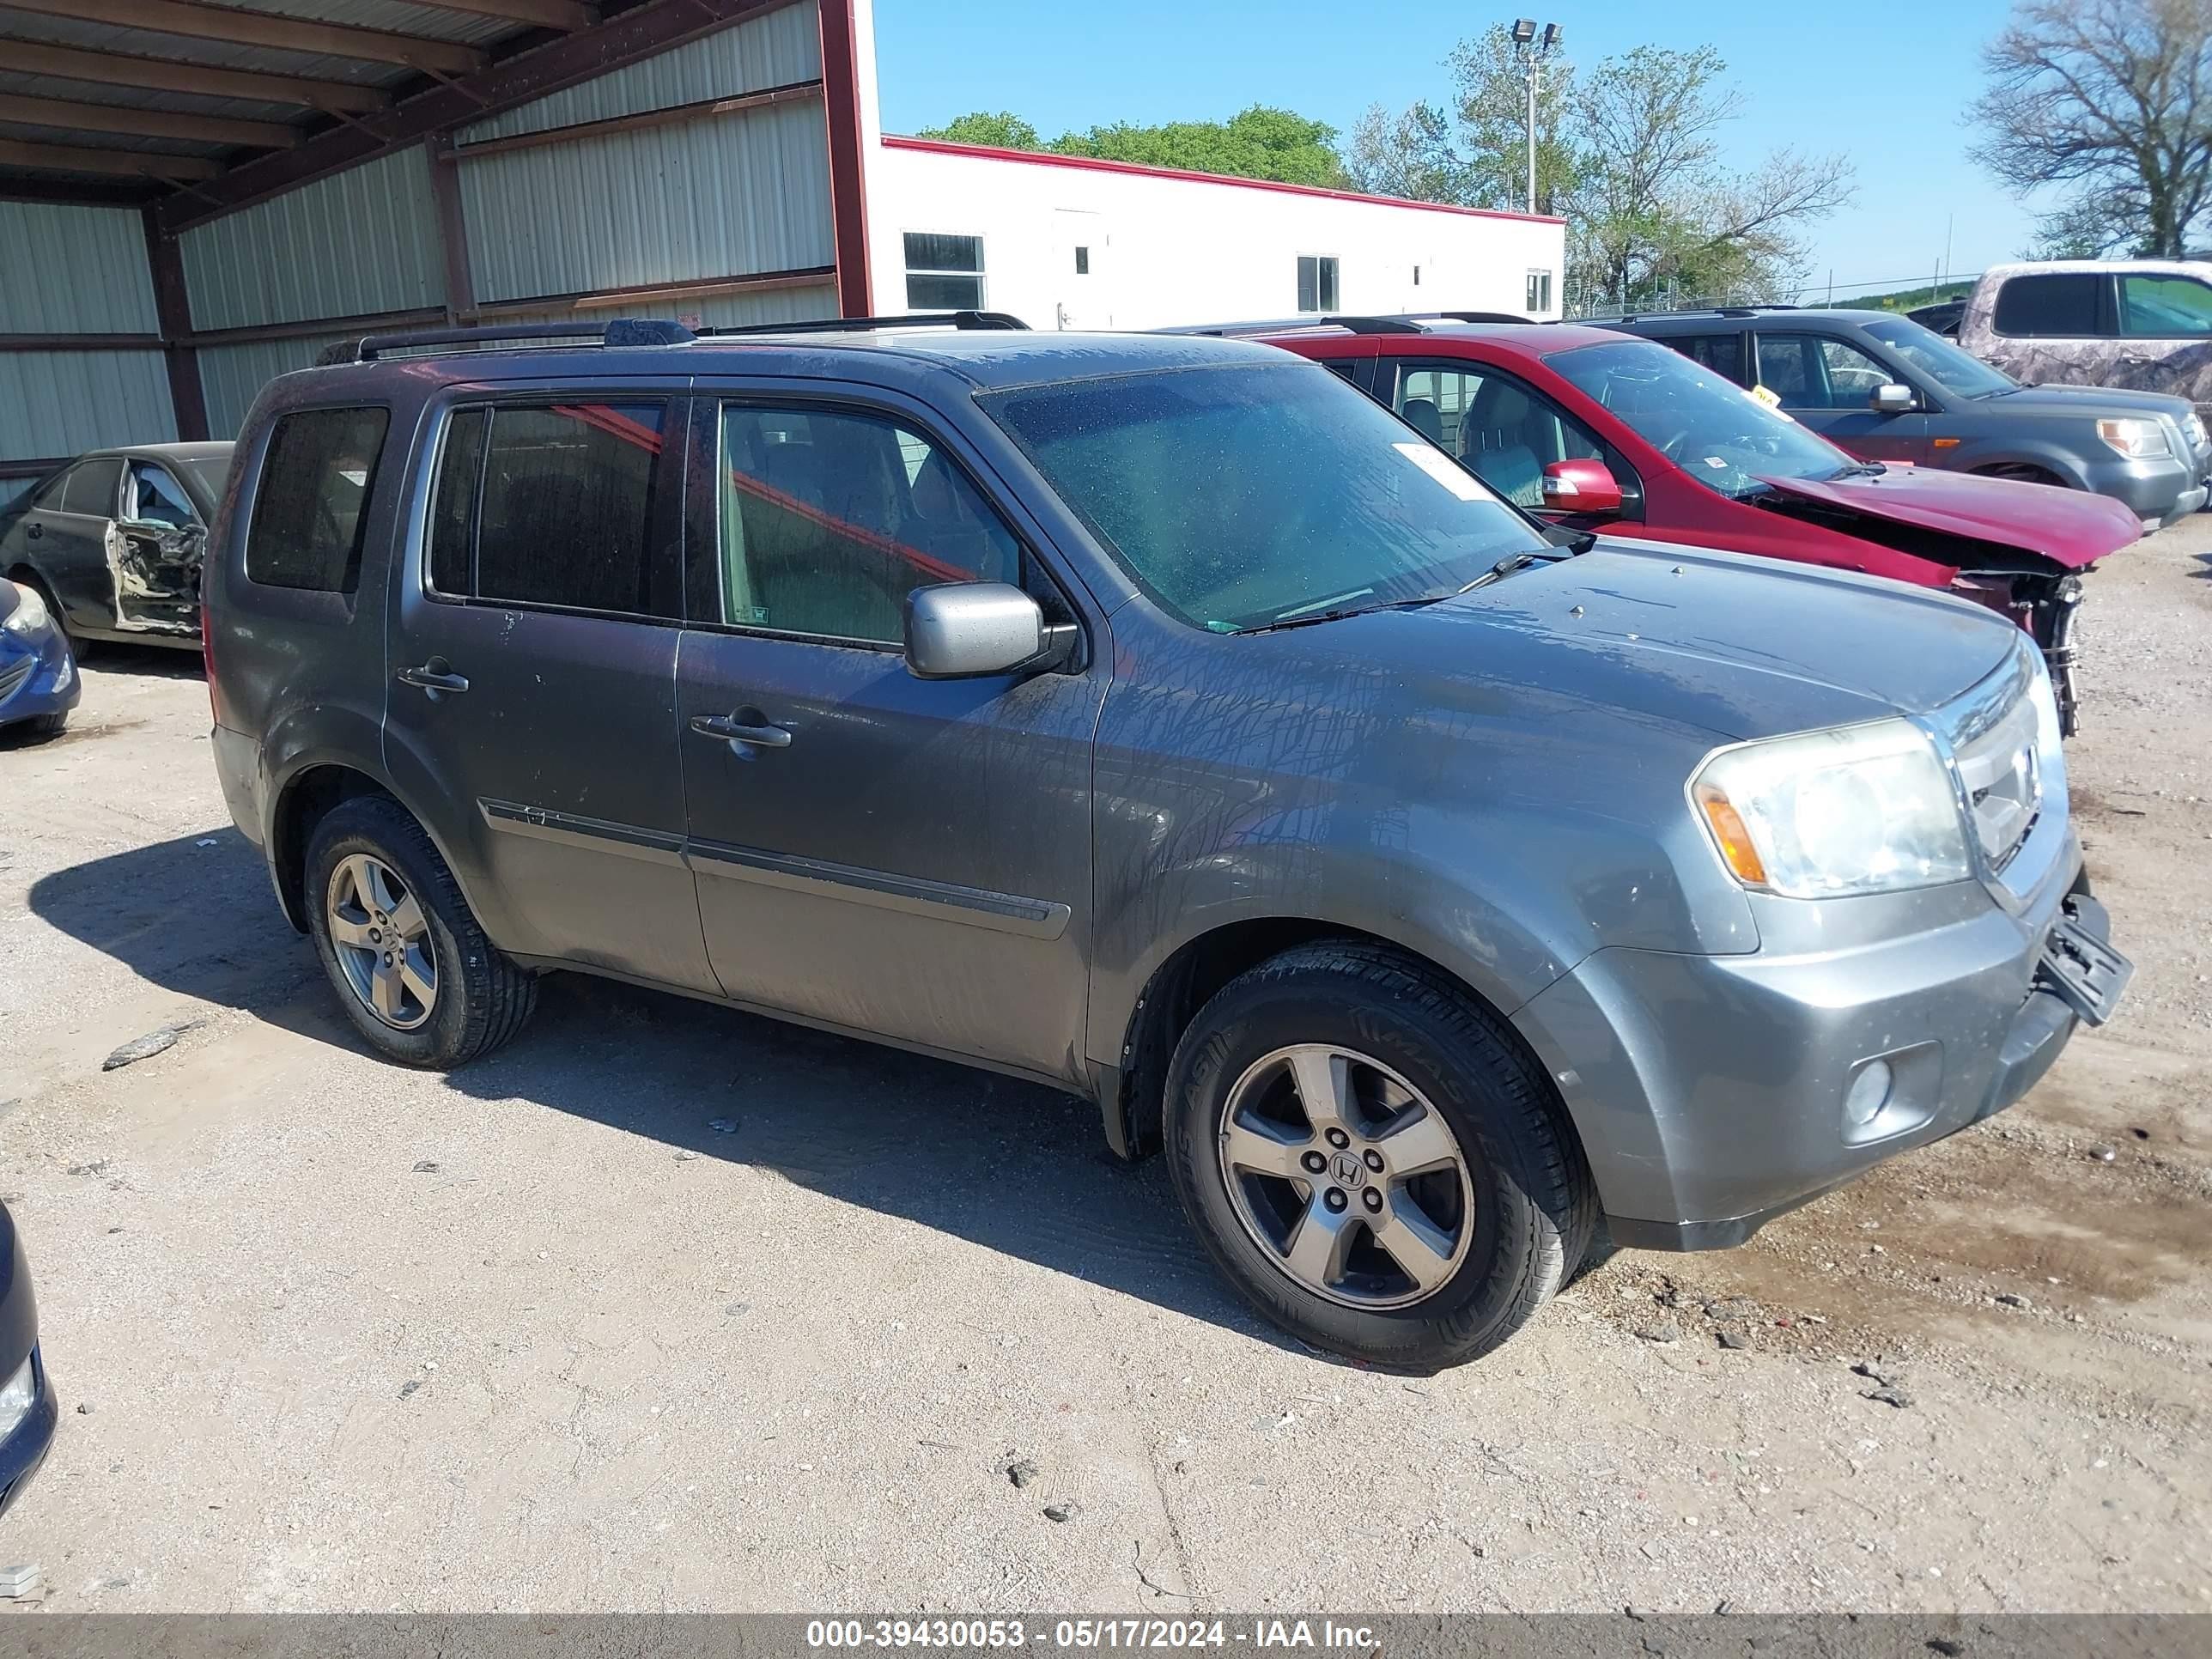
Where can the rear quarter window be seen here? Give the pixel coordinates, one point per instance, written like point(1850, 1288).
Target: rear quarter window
point(312, 509)
point(2050, 304)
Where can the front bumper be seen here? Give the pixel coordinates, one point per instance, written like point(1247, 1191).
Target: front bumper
point(1709, 1090)
point(25, 1448)
point(2158, 492)
point(38, 677)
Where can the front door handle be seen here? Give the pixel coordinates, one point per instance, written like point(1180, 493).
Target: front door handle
point(434, 679)
point(731, 729)
point(34, 529)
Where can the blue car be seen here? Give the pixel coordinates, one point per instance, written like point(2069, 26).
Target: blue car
point(28, 1413)
point(39, 683)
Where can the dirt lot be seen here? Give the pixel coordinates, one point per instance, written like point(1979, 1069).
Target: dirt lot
point(666, 1307)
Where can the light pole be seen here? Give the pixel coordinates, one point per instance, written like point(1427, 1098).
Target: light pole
point(1531, 50)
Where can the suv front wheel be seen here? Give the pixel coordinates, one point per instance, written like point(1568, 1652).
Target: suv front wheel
point(414, 971)
point(1371, 1160)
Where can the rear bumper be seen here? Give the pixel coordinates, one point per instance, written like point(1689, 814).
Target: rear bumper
point(1709, 1090)
point(25, 1448)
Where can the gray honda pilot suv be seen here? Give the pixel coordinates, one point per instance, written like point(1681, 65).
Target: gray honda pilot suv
point(1159, 719)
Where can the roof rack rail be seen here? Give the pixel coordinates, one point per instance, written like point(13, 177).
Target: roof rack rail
point(960, 319)
point(1480, 316)
point(1349, 324)
point(616, 331)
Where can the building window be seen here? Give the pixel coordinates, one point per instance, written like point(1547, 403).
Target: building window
point(944, 273)
point(1540, 291)
point(1316, 282)
point(1083, 262)
point(1417, 276)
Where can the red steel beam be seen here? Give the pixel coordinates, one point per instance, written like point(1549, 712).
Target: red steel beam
point(848, 189)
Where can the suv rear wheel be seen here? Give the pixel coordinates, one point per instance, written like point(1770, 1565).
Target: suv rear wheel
point(414, 971)
point(1370, 1159)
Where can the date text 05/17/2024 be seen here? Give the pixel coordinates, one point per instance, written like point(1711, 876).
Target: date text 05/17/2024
point(1259, 1635)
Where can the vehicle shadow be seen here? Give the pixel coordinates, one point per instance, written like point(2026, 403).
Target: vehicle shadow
point(165, 662)
point(1005, 1164)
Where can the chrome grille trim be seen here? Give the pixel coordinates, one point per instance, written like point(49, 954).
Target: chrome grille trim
point(12, 676)
point(2009, 773)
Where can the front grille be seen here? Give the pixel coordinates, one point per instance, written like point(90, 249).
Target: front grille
point(1996, 738)
point(13, 674)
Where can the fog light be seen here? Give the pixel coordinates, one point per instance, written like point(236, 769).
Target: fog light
point(1868, 1094)
point(17, 1396)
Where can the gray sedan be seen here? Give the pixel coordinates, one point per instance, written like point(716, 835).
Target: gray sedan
point(1888, 390)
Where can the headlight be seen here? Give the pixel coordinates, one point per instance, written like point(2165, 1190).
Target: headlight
point(2139, 440)
point(29, 616)
point(1859, 809)
point(17, 1396)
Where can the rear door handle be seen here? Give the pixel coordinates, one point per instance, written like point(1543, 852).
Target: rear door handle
point(433, 678)
point(730, 729)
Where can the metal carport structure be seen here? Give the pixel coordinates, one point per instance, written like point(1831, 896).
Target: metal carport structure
point(195, 197)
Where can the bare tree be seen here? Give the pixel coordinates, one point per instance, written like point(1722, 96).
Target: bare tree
point(2105, 97)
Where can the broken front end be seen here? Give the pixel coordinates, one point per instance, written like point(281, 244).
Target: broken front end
point(155, 570)
point(2044, 600)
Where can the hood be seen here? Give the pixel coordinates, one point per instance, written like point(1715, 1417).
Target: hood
point(2089, 402)
point(1735, 645)
point(2071, 528)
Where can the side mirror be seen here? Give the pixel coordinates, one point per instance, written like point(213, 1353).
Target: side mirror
point(964, 630)
point(1892, 399)
point(1581, 486)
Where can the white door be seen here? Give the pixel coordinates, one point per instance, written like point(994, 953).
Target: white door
point(1085, 261)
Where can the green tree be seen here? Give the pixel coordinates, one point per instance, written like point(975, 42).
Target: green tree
point(1631, 154)
point(1261, 142)
point(1003, 129)
point(2106, 99)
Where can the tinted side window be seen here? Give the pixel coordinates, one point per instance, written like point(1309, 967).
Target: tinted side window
point(1721, 352)
point(829, 520)
point(564, 515)
point(2165, 307)
point(453, 509)
point(161, 499)
point(308, 522)
point(93, 486)
point(2054, 303)
point(48, 497)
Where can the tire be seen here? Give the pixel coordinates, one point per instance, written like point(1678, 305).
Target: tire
point(2022, 472)
point(48, 726)
point(1521, 1194)
point(479, 998)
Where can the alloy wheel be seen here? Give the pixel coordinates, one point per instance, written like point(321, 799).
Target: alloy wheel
point(1346, 1176)
point(382, 941)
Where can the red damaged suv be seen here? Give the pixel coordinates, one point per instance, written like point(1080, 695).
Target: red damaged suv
point(1592, 430)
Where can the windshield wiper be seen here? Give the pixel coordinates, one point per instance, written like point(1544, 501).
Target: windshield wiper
point(1861, 470)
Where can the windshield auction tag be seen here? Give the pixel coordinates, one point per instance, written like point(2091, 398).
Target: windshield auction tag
point(1441, 467)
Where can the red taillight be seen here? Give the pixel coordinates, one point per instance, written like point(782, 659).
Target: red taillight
point(207, 646)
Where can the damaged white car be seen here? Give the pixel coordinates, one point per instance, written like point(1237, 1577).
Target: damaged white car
point(111, 542)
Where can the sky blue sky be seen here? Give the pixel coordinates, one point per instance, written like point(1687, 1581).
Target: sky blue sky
point(1885, 82)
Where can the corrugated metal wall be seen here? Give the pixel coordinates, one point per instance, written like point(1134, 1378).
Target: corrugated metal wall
point(74, 271)
point(231, 376)
point(777, 49)
point(731, 196)
point(77, 270)
point(359, 241)
point(789, 305)
point(57, 403)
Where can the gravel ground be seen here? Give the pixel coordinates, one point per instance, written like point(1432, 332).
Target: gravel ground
point(668, 1308)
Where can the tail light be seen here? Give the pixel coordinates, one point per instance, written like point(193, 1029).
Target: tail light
point(207, 642)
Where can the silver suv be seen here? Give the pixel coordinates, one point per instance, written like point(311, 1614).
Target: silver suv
point(1159, 719)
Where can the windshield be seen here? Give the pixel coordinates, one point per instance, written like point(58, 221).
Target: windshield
point(211, 476)
point(1940, 361)
point(1240, 497)
point(1722, 435)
